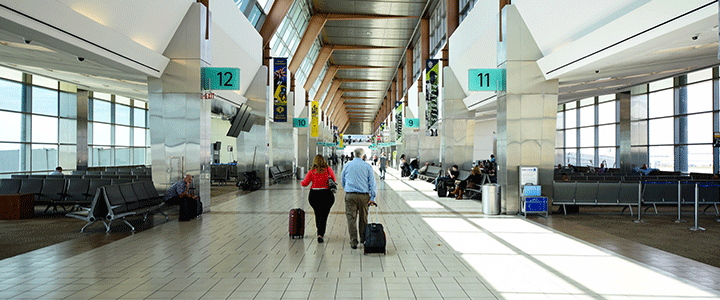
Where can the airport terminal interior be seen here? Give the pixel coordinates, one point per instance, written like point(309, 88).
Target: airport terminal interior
point(534, 149)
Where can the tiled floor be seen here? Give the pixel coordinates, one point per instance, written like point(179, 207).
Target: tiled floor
point(437, 249)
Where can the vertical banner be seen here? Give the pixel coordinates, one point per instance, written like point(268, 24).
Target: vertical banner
point(280, 89)
point(340, 140)
point(399, 122)
point(432, 72)
point(314, 128)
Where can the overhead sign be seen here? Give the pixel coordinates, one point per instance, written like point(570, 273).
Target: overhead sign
point(412, 123)
point(300, 122)
point(486, 79)
point(220, 78)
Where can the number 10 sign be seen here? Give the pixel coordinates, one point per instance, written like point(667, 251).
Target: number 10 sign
point(486, 79)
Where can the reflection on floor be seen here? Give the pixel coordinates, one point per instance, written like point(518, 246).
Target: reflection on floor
point(437, 249)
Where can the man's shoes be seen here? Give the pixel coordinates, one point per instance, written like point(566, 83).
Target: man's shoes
point(353, 246)
point(320, 239)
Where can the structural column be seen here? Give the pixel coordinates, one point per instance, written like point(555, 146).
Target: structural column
point(527, 112)
point(457, 125)
point(624, 153)
point(179, 119)
point(81, 163)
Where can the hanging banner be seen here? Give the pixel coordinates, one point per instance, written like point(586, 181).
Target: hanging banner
point(280, 89)
point(340, 140)
point(432, 73)
point(399, 122)
point(314, 128)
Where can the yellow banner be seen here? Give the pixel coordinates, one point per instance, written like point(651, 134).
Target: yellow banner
point(314, 114)
point(341, 141)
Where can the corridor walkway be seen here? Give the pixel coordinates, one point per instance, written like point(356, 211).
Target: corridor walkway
point(437, 249)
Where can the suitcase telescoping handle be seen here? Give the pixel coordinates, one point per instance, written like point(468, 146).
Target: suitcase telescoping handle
point(376, 211)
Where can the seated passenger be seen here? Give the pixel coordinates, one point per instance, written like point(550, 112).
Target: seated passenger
point(449, 180)
point(601, 169)
point(179, 190)
point(473, 181)
point(645, 170)
point(415, 171)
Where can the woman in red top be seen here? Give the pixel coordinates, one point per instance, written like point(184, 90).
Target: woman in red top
point(321, 198)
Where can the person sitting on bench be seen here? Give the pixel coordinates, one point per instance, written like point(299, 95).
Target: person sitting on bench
point(179, 190)
point(453, 174)
point(473, 181)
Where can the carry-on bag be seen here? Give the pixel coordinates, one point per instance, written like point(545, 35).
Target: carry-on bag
point(189, 208)
point(375, 238)
point(297, 223)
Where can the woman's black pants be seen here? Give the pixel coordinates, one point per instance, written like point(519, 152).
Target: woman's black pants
point(321, 201)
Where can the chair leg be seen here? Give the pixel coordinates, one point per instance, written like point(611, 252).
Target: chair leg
point(564, 209)
point(655, 207)
point(128, 224)
point(87, 225)
point(631, 212)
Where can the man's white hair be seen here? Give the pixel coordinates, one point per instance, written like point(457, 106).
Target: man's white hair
point(359, 152)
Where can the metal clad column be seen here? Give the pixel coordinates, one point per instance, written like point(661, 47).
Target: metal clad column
point(457, 125)
point(527, 112)
point(82, 130)
point(179, 119)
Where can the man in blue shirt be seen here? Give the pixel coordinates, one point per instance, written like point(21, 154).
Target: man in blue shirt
point(179, 190)
point(358, 181)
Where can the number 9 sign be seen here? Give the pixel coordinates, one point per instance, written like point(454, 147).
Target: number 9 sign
point(412, 123)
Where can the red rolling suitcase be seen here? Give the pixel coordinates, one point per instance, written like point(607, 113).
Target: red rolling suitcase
point(297, 223)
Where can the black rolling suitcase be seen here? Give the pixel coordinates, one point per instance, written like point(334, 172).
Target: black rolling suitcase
point(297, 223)
point(442, 189)
point(375, 239)
point(189, 208)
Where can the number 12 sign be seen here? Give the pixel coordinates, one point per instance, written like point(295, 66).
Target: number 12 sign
point(486, 79)
point(221, 78)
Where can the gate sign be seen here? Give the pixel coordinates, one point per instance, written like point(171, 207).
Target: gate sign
point(412, 123)
point(486, 79)
point(220, 78)
point(300, 122)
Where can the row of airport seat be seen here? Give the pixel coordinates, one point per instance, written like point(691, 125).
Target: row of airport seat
point(62, 192)
point(278, 173)
point(119, 201)
point(87, 176)
point(629, 194)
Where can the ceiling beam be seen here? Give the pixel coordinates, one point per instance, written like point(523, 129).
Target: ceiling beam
point(360, 98)
point(349, 67)
point(408, 70)
point(362, 80)
point(315, 26)
point(323, 57)
point(326, 82)
point(360, 47)
point(273, 19)
point(330, 94)
point(350, 17)
point(360, 90)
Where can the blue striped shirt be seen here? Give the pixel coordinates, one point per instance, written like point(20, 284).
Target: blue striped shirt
point(358, 177)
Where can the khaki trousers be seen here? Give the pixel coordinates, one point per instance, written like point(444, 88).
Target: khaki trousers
point(354, 204)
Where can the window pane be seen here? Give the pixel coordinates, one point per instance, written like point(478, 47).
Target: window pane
point(606, 113)
point(587, 137)
point(587, 101)
point(638, 133)
point(570, 157)
point(101, 111)
point(560, 121)
point(571, 118)
point(10, 157)
point(10, 95)
point(139, 137)
point(607, 135)
point(587, 157)
point(661, 104)
point(559, 155)
point(68, 131)
point(661, 84)
point(559, 139)
point(699, 97)
point(699, 75)
point(122, 156)
point(122, 114)
point(700, 158)
point(138, 156)
point(139, 117)
point(699, 128)
point(44, 157)
point(638, 107)
point(661, 131)
point(587, 116)
point(45, 101)
point(68, 156)
point(607, 155)
point(101, 156)
point(662, 158)
point(571, 138)
point(45, 82)
point(44, 129)
point(101, 134)
point(68, 105)
point(11, 126)
point(122, 136)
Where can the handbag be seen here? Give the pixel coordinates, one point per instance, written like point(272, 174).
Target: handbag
point(332, 185)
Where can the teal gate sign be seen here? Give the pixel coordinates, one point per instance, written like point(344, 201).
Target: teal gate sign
point(220, 78)
point(412, 123)
point(486, 79)
point(300, 122)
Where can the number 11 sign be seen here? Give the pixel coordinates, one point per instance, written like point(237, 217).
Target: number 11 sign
point(486, 79)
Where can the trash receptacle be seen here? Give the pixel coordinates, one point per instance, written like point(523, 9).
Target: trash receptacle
point(491, 199)
point(300, 173)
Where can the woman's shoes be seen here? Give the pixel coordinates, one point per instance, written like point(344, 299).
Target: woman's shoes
point(320, 239)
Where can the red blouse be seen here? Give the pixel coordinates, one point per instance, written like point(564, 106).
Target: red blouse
point(319, 180)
